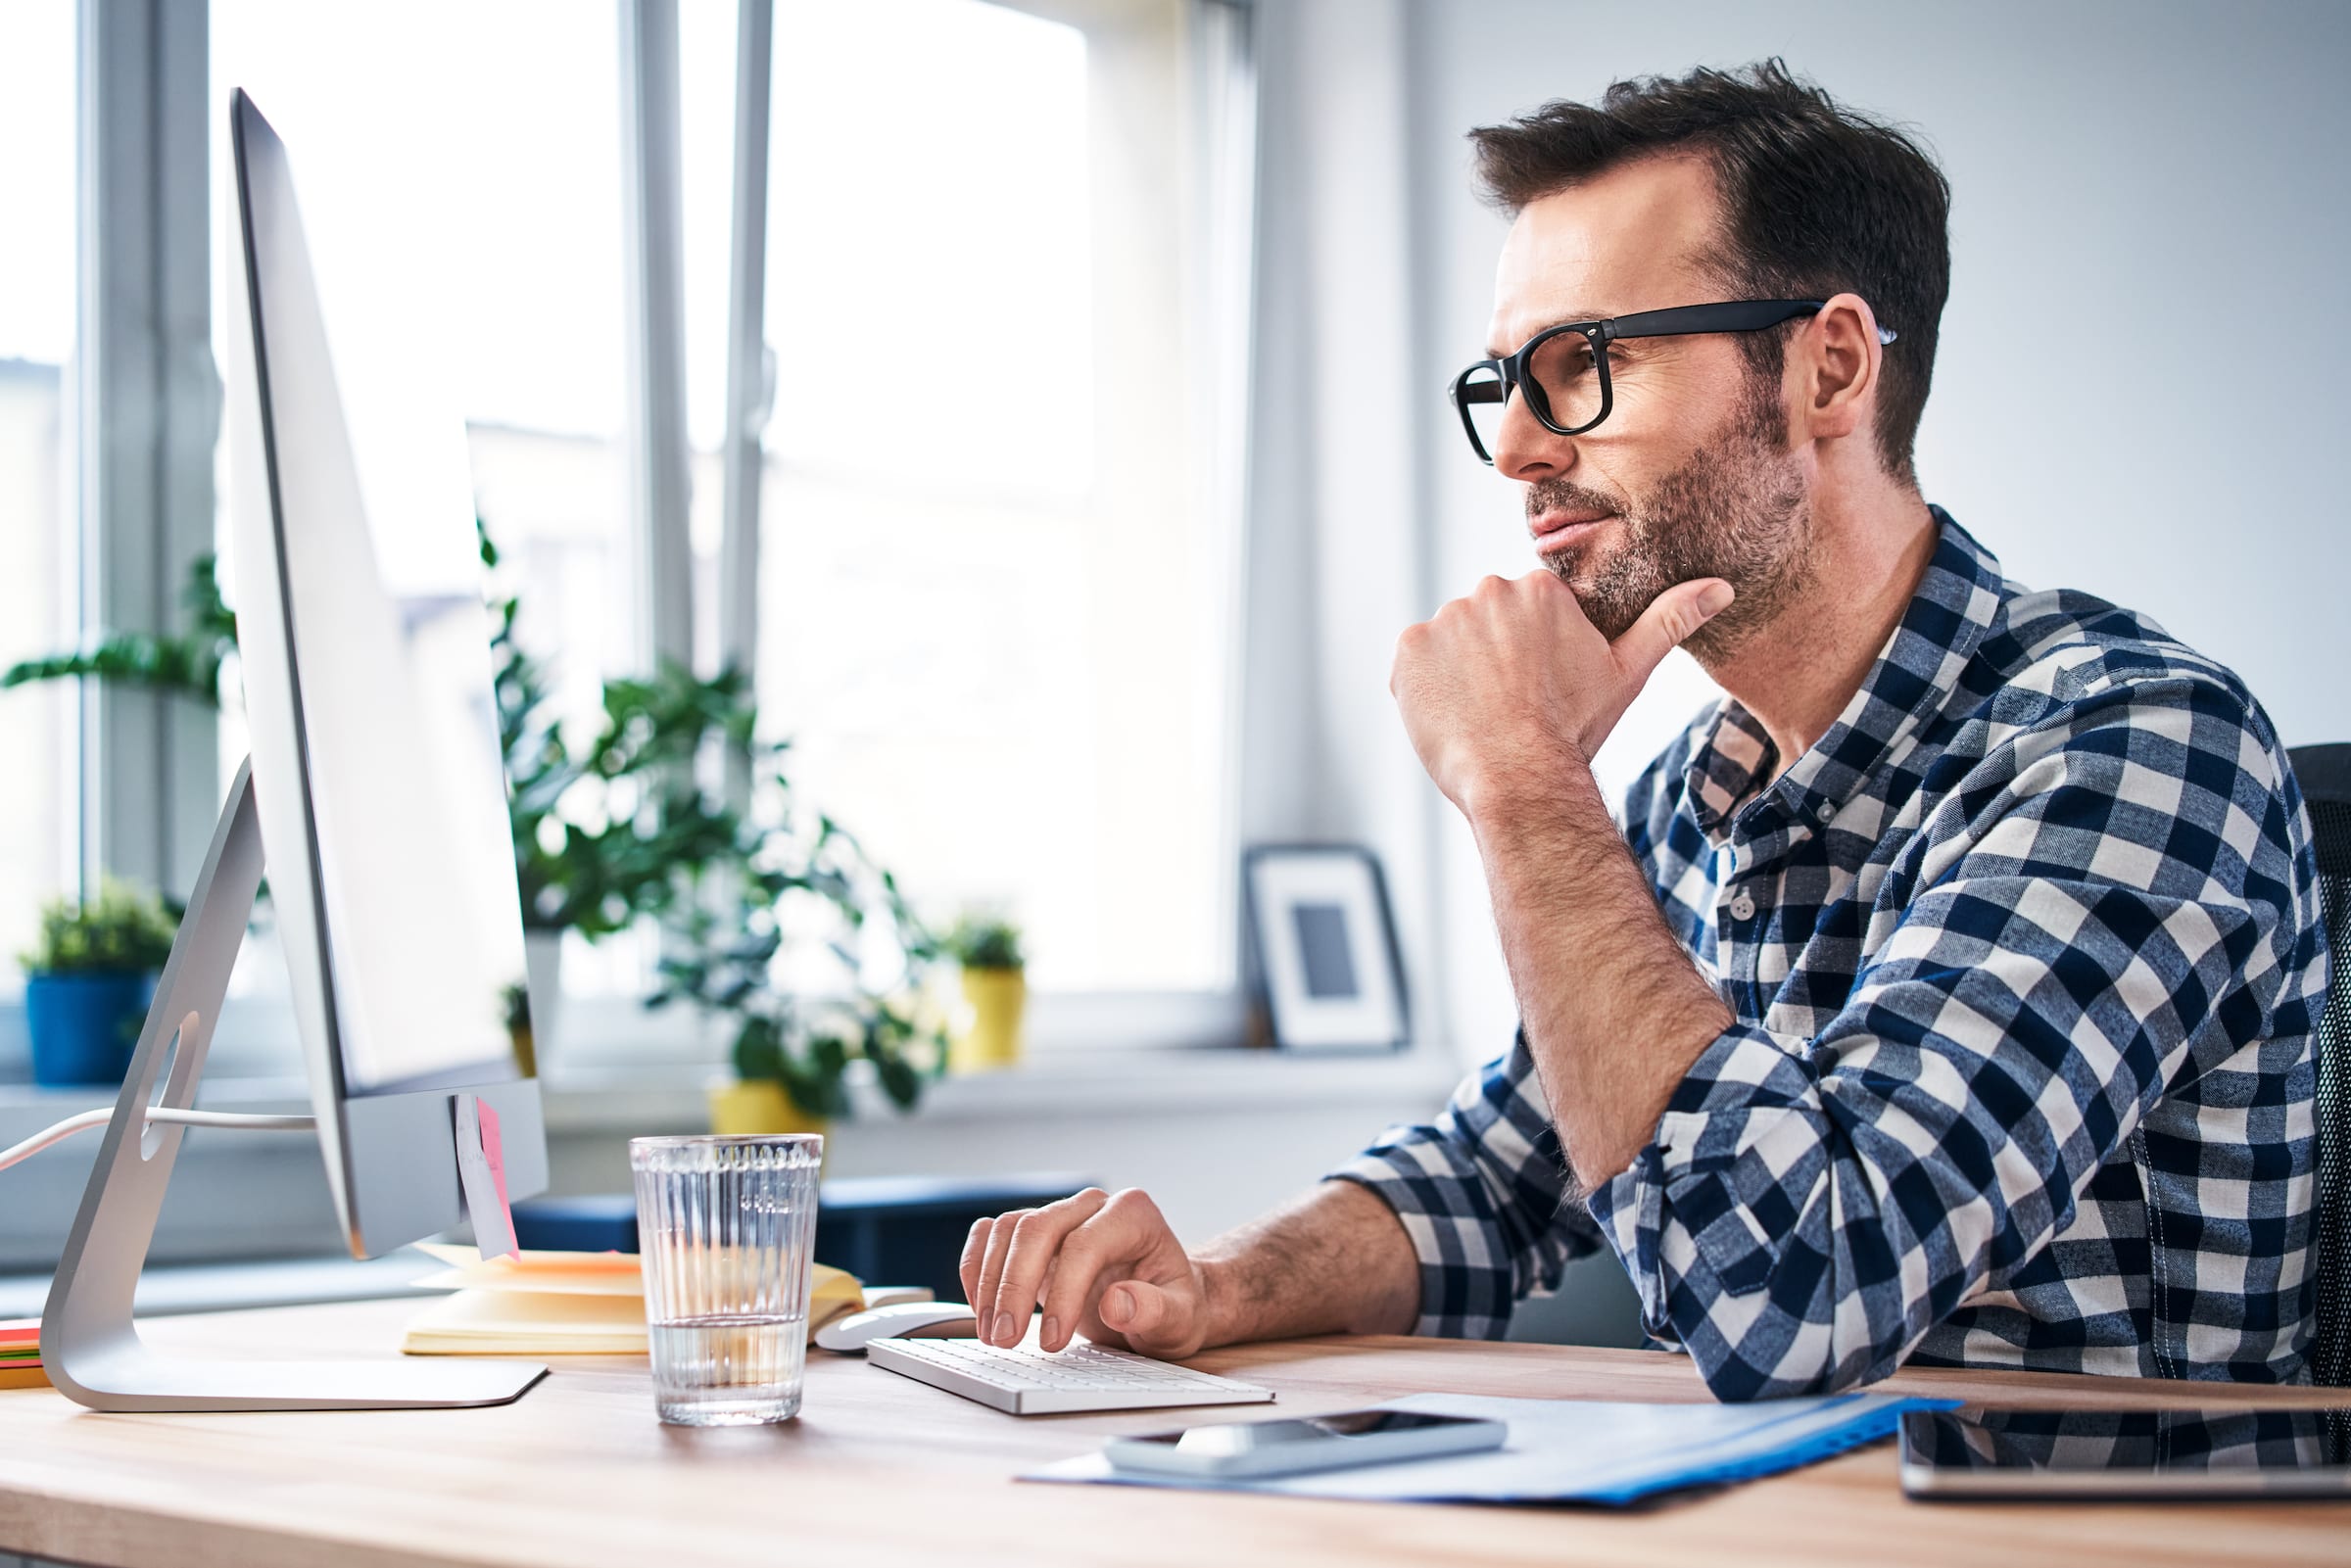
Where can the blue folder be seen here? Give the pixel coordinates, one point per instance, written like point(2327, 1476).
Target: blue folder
point(1577, 1451)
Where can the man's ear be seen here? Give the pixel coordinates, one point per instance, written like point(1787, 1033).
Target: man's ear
point(1834, 363)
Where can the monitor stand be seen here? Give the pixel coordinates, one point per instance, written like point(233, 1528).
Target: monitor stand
point(89, 1345)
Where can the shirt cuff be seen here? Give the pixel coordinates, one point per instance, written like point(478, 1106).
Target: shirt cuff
point(1467, 1284)
point(1715, 1180)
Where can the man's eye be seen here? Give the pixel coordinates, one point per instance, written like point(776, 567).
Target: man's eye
point(1563, 360)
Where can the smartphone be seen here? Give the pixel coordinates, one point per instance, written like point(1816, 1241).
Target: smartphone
point(1255, 1449)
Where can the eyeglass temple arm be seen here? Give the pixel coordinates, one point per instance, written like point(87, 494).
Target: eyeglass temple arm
point(1464, 390)
point(1738, 315)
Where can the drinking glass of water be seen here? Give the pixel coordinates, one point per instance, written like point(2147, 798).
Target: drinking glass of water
point(726, 1231)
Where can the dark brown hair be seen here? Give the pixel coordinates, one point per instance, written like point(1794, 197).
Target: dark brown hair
point(1817, 199)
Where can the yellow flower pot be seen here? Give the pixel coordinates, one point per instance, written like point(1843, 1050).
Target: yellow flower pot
point(991, 1033)
point(749, 1110)
point(526, 1049)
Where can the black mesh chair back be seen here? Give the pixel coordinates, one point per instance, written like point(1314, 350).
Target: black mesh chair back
point(2324, 774)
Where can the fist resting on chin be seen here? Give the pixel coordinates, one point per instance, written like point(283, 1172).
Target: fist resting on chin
point(1503, 690)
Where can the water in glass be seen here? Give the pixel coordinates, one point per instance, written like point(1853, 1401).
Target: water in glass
point(728, 1371)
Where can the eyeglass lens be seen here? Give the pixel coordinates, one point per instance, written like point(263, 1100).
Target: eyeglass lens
point(1562, 371)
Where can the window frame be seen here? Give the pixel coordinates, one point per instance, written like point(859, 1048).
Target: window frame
point(146, 417)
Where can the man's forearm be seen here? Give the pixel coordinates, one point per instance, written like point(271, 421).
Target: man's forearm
point(1333, 1261)
point(1614, 1009)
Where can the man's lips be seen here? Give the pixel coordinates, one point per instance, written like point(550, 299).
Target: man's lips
point(1558, 529)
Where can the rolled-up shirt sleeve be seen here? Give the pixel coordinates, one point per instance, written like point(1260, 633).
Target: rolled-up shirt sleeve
point(2106, 912)
point(1481, 1192)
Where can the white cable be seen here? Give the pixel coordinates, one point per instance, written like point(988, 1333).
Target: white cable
point(57, 1134)
point(89, 1119)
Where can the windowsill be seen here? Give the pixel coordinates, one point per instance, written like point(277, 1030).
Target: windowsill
point(1050, 1083)
point(605, 1039)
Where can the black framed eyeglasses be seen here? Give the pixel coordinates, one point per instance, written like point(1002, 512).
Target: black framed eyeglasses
point(1564, 371)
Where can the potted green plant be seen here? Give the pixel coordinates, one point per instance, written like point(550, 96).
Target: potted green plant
point(89, 980)
point(809, 956)
point(995, 992)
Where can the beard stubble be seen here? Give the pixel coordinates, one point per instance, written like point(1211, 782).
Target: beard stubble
point(1736, 509)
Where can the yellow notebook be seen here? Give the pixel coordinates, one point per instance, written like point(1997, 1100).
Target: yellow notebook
point(564, 1304)
point(519, 1322)
point(23, 1377)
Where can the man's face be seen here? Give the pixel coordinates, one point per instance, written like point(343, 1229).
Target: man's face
point(1689, 475)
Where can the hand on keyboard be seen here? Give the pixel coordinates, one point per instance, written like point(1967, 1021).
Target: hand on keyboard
point(1109, 1268)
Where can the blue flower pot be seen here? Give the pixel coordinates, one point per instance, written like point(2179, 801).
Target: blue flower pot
point(84, 1027)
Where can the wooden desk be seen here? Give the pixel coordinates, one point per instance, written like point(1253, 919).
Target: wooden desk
point(879, 1469)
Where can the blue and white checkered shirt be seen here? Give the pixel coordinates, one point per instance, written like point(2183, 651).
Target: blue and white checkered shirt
point(2025, 957)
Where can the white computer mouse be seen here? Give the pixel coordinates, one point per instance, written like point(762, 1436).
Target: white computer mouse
point(928, 1319)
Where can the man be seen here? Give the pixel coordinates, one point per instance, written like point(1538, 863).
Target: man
point(1944, 995)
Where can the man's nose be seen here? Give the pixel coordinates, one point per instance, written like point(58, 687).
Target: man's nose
point(1525, 449)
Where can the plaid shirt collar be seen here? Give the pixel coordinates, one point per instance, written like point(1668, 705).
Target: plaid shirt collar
point(1914, 677)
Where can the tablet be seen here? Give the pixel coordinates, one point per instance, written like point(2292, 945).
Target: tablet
point(1973, 1452)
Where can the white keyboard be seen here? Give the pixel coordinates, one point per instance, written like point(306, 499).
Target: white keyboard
point(1027, 1381)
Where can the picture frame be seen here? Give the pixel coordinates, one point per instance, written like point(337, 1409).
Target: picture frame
point(1324, 943)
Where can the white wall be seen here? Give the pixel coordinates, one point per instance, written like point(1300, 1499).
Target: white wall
point(2138, 391)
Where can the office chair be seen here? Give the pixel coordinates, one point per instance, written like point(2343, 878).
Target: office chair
point(2324, 774)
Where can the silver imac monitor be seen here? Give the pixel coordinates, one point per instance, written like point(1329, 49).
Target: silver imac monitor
point(375, 802)
point(376, 768)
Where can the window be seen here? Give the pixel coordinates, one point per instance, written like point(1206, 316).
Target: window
point(995, 582)
point(39, 590)
point(998, 518)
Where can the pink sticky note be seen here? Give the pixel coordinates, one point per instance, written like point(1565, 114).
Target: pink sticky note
point(494, 1152)
point(482, 1176)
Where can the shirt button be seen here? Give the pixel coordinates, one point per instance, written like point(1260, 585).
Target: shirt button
point(1743, 907)
point(1825, 810)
